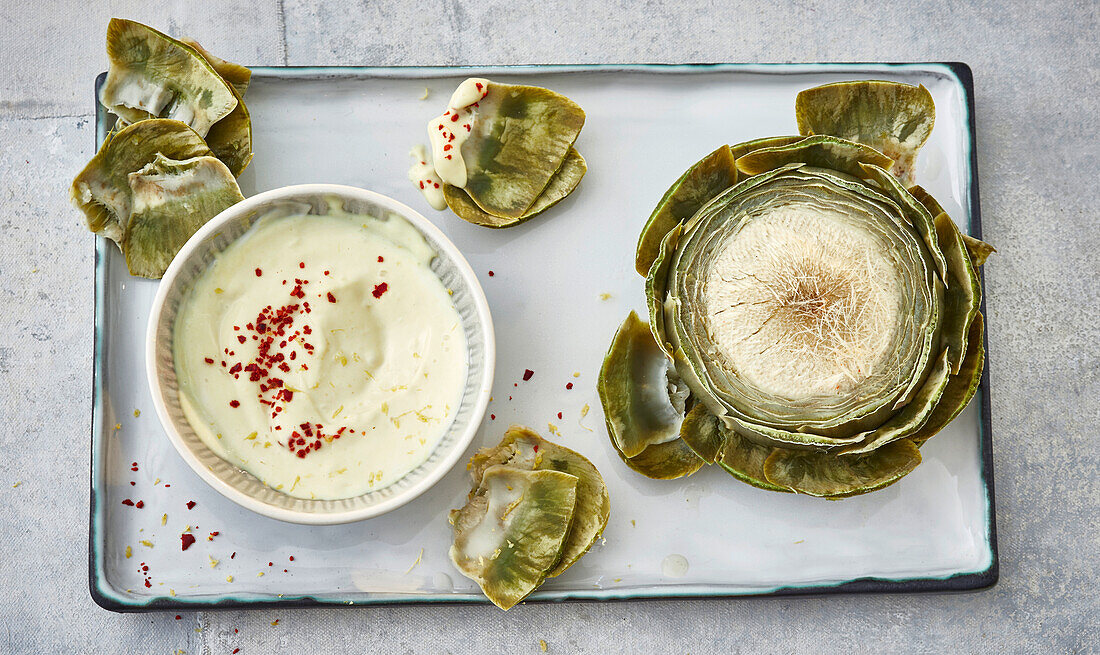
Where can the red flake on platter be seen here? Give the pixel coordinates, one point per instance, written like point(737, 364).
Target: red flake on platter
point(331, 298)
point(380, 260)
point(139, 504)
point(380, 289)
point(186, 539)
point(527, 373)
point(234, 404)
point(491, 274)
point(559, 415)
point(128, 502)
point(190, 504)
point(259, 272)
point(568, 385)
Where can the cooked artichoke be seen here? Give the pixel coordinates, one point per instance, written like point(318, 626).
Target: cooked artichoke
point(505, 152)
point(149, 188)
point(820, 316)
point(534, 510)
point(153, 75)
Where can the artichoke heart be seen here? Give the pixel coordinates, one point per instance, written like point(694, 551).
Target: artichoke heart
point(821, 310)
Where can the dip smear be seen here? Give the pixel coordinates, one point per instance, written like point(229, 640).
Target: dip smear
point(321, 353)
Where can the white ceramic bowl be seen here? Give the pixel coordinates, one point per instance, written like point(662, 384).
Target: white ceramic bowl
point(240, 486)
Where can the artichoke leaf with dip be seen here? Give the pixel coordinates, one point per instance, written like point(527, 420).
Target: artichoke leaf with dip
point(171, 201)
point(564, 181)
point(155, 76)
point(523, 448)
point(822, 311)
point(512, 532)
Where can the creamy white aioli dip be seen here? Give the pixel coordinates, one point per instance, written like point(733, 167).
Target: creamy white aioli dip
point(423, 174)
point(321, 353)
point(448, 132)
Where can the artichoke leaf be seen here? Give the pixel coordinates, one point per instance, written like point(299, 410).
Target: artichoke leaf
point(102, 190)
point(665, 461)
point(826, 475)
point(238, 76)
point(634, 390)
point(914, 210)
point(818, 151)
point(964, 295)
point(895, 119)
point(512, 532)
point(744, 460)
point(960, 388)
point(524, 449)
point(704, 180)
point(741, 149)
point(564, 181)
point(978, 250)
point(656, 285)
point(520, 138)
point(230, 139)
point(171, 201)
point(700, 431)
point(155, 76)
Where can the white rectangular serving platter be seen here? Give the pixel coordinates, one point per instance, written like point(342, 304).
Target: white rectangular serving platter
point(558, 287)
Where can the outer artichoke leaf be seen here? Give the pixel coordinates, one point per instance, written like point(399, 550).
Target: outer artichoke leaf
point(705, 179)
point(564, 181)
point(634, 390)
point(171, 201)
point(960, 388)
point(741, 149)
point(978, 250)
point(665, 461)
point(520, 138)
point(820, 151)
point(238, 76)
point(154, 76)
point(513, 530)
point(701, 433)
point(656, 285)
point(893, 118)
point(523, 448)
point(230, 139)
point(964, 295)
point(914, 210)
point(102, 189)
point(744, 460)
point(826, 475)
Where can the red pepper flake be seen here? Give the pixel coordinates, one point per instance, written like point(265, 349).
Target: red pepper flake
point(190, 504)
point(241, 338)
point(380, 289)
point(491, 274)
point(234, 404)
point(527, 373)
point(139, 504)
point(492, 417)
point(128, 502)
point(331, 298)
point(301, 264)
point(259, 272)
point(536, 448)
point(380, 260)
point(148, 584)
point(178, 617)
point(568, 385)
point(447, 147)
point(479, 85)
point(446, 156)
point(233, 556)
point(212, 535)
point(132, 483)
point(187, 539)
point(235, 651)
point(208, 360)
point(454, 117)
point(291, 558)
point(271, 563)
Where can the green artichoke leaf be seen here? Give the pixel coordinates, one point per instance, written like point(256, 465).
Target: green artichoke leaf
point(520, 138)
point(978, 250)
point(171, 201)
point(656, 289)
point(914, 210)
point(960, 388)
point(102, 190)
point(513, 530)
point(524, 449)
point(634, 390)
point(826, 475)
point(705, 179)
point(564, 181)
point(644, 404)
point(741, 149)
point(700, 431)
point(155, 76)
point(895, 119)
point(230, 139)
point(819, 151)
point(744, 460)
point(238, 76)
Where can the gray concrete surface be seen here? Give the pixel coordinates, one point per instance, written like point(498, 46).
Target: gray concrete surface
point(1036, 69)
